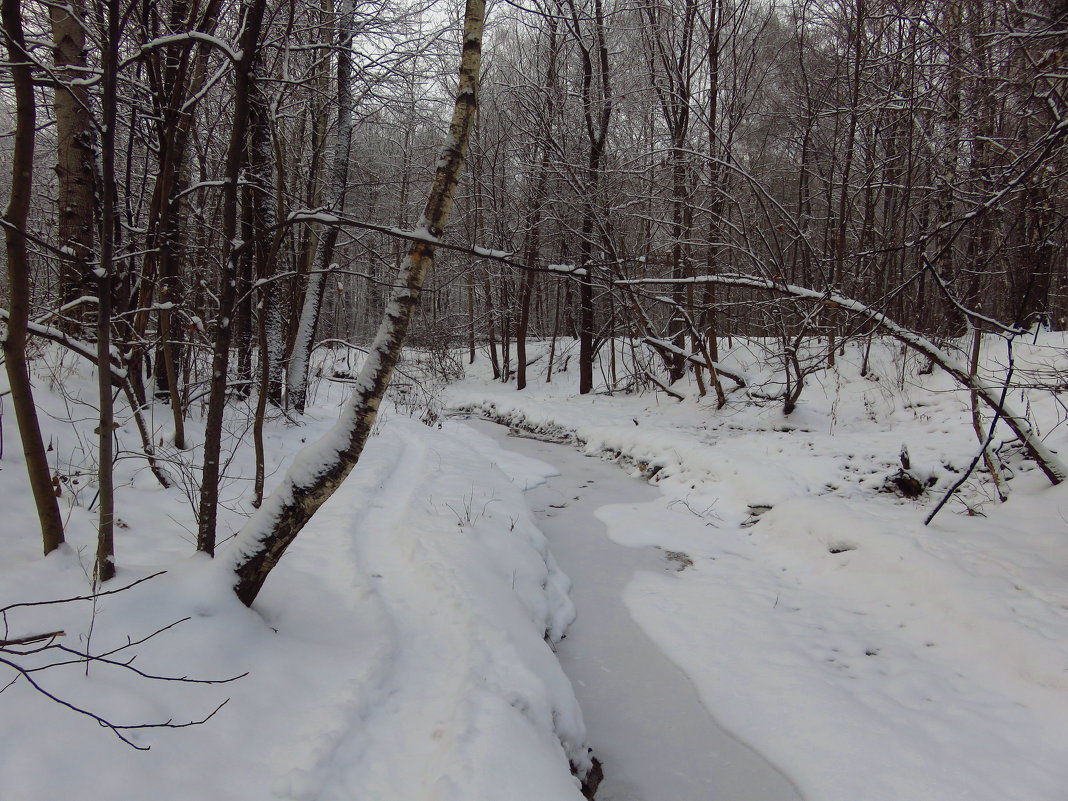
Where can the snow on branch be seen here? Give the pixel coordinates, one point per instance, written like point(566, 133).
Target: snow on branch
point(118, 374)
point(506, 257)
point(664, 345)
point(1054, 469)
point(187, 36)
point(969, 314)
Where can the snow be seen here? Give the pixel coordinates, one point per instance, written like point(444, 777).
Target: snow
point(865, 655)
point(84, 349)
point(398, 652)
point(490, 253)
point(661, 742)
point(235, 55)
point(571, 269)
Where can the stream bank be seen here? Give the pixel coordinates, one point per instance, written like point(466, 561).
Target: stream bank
point(646, 723)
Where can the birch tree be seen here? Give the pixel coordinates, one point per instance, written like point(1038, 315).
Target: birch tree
point(75, 156)
point(319, 469)
point(300, 356)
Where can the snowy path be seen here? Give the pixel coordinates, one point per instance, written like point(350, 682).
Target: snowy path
point(645, 721)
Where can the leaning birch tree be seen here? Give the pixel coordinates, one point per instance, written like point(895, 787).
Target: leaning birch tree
point(320, 468)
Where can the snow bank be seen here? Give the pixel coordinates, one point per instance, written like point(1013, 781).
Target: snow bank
point(736, 476)
point(400, 652)
point(473, 702)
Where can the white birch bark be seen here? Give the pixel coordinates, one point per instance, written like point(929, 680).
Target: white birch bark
point(319, 469)
point(297, 378)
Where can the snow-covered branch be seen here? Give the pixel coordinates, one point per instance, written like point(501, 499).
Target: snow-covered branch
point(666, 346)
point(1054, 469)
point(191, 36)
point(83, 349)
point(506, 257)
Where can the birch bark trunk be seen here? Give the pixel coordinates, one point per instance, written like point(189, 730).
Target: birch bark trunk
point(75, 154)
point(304, 342)
point(320, 468)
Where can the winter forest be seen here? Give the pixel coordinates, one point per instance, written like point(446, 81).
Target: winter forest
point(534, 400)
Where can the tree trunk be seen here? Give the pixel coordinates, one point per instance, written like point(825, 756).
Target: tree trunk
point(18, 273)
point(597, 113)
point(175, 82)
point(275, 525)
point(717, 178)
point(300, 357)
point(265, 209)
point(75, 155)
point(105, 541)
point(236, 157)
point(491, 327)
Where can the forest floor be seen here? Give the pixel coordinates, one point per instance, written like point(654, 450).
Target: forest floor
point(401, 650)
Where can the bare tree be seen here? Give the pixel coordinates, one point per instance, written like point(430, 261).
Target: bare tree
point(18, 273)
point(587, 29)
point(236, 161)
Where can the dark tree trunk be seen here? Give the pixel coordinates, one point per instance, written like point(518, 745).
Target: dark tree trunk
point(105, 543)
point(18, 273)
point(236, 157)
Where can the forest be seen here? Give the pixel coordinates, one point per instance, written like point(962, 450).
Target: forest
point(243, 236)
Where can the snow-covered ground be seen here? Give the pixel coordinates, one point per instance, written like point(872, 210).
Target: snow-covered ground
point(866, 655)
point(398, 652)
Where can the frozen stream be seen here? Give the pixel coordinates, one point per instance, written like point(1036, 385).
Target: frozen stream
point(646, 723)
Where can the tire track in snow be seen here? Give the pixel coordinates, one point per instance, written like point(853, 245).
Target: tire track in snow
point(421, 691)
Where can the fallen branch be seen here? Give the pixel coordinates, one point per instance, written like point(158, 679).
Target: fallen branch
point(663, 346)
point(664, 387)
point(1053, 468)
point(83, 349)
